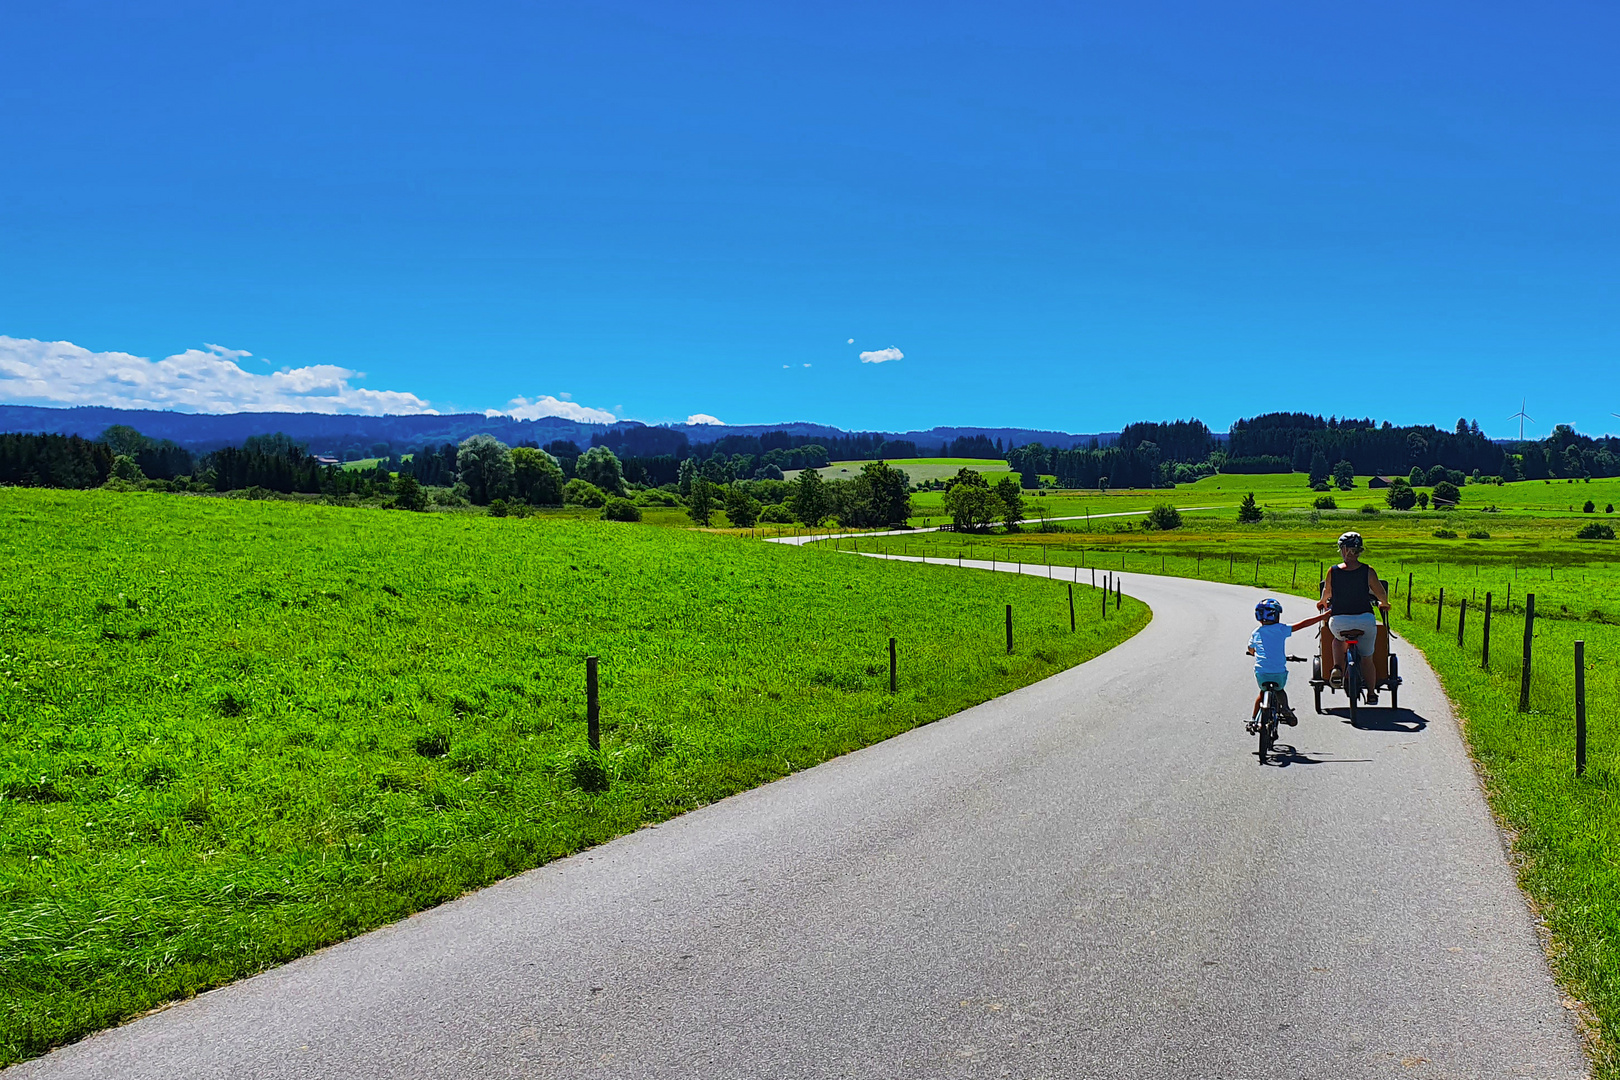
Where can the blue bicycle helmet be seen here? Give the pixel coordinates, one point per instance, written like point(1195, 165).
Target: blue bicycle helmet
point(1268, 611)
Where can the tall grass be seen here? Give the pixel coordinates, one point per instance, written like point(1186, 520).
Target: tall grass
point(232, 732)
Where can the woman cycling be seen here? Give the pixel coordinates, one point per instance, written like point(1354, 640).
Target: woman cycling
point(1348, 595)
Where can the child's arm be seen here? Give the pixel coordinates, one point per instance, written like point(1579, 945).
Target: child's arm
point(1313, 620)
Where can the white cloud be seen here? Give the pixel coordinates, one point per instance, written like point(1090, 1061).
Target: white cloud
point(852, 341)
point(807, 365)
point(566, 396)
point(207, 380)
point(882, 356)
point(785, 367)
point(520, 408)
point(705, 418)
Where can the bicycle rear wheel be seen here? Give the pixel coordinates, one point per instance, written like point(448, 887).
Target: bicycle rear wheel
point(1352, 682)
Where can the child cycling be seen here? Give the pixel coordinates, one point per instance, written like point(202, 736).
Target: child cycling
point(1269, 647)
point(1348, 596)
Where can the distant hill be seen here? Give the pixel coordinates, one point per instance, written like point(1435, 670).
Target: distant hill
point(337, 434)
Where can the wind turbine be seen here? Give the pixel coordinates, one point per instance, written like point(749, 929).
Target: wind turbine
point(1522, 416)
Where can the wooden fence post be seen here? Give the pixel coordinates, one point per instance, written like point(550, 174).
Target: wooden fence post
point(1529, 632)
point(1462, 620)
point(1009, 629)
point(1440, 607)
point(1118, 593)
point(1485, 646)
point(1408, 596)
point(593, 712)
point(1071, 607)
point(893, 672)
point(1580, 708)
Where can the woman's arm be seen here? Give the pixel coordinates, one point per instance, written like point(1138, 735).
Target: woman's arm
point(1313, 620)
point(1376, 587)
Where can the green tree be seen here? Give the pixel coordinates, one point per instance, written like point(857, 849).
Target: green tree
point(1589, 508)
point(1400, 496)
point(742, 510)
point(1011, 496)
point(124, 468)
point(700, 502)
point(124, 440)
point(408, 493)
point(537, 479)
point(884, 493)
point(1344, 475)
point(1416, 478)
point(688, 472)
point(809, 499)
point(484, 464)
point(1319, 469)
point(1423, 500)
point(1446, 493)
point(1248, 512)
point(971, 503)
point(600, 467)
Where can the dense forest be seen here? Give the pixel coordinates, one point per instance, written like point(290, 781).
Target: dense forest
point(1144, 455)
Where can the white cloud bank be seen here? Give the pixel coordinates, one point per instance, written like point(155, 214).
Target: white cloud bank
point(520, 408)
point(705, 418)
point(882, 356)
point(207, 380)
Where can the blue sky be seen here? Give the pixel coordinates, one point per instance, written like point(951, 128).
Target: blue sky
point(1062, 219)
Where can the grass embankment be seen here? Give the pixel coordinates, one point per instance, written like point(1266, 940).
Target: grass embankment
point(232, 732)
point(1566, 831)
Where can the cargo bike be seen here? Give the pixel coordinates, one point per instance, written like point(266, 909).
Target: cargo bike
point(1365, 672)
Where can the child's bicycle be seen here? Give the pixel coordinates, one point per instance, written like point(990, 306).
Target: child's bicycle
point(1360, 678)
point(1266, 720)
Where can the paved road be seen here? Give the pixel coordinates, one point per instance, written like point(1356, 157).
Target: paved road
point(1089, 877)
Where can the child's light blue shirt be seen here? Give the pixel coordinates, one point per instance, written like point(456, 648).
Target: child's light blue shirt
point(1270, 644)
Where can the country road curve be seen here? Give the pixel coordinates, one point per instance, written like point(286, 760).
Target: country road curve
point(1089, 877)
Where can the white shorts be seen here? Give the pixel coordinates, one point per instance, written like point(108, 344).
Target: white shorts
point(1367, 624)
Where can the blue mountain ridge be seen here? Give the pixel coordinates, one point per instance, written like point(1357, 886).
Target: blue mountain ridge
point(327, 432)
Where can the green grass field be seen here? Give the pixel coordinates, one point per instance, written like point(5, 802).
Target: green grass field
point(1565, 830)
point(921, 470)
point(232, 732)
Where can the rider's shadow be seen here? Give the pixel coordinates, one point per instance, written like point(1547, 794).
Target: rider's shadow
point(1283, 755)
point(1378, 719)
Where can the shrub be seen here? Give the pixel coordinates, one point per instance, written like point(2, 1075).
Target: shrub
point(1447, 492)
point(1400, 497)
point(775, 515)
point(1589, 508)
point(497, 508)
point(1423, 500)
point(1368, 508)
point(1609, 509)
point(1325, 502)
point(448, 497)
point(1479, 534)
point(578, 492)
point(1596, 530)
point(1444, 534)
point(1163, 517)
point(621, 510)
point(408, 494)
point(1248, 512)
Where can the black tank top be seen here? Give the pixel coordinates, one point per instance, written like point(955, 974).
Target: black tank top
point(1352, 594)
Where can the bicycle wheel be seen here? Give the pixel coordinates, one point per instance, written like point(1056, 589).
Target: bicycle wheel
point(1268, 729)
point(1352, 681)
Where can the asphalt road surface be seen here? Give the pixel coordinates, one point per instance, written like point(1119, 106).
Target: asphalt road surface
point(1090, 877)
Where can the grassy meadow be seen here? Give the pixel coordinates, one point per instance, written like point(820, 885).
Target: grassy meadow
point(1565, 830)
point(234, 731)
